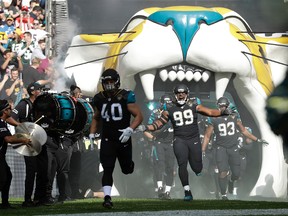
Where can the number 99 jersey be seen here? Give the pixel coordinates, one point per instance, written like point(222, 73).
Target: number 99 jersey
point(114, 112)
point(184, 119)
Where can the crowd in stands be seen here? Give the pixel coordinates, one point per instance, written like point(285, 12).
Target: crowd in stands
point(22, 48)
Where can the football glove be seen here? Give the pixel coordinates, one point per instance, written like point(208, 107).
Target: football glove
point(91, 136)
point(141, 128)
point(126, 133)
point(262, 141)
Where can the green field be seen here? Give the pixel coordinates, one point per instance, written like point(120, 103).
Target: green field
point(138, 205)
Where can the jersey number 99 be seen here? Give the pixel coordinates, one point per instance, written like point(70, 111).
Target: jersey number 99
point(183, 118)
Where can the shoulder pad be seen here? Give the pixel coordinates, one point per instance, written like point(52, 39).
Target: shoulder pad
point(196, 100)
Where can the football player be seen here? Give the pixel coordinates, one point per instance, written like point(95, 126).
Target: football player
point(114, 107)
point(163, 155)
point(227, 151)
point(187, 145)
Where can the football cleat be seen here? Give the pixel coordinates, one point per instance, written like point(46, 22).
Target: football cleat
point(167, 196)
point(107, 202)
point(224, 197)
point(188, 195)
point(160, 192)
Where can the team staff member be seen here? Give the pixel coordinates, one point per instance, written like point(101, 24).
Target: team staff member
point(5, 138)
point(187, 144)
point(227, 151)
point(75, 159)
point(114, 107)
point(36, 167)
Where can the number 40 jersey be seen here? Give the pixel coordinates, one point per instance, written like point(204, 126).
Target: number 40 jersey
point(114, 112)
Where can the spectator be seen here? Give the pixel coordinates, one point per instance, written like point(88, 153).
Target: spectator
point(5, 138)
point(39, 52)
point(24, 21)
point(8, 28)
point(3, 39)
point(32, 4)
point(10, 61)
point(14, 87)
point(2, 17)
point(31, 74)
point(15, 42)
point(37, 32)
point(36, 12)
point(9, 9)
point(17, 4)
point(27, 46)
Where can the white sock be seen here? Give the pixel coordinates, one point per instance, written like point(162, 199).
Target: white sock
point(187, 187)
point(107, 190)
point(159, 184)
point(167, 188)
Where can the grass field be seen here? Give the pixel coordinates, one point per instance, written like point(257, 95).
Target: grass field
point(138, 205)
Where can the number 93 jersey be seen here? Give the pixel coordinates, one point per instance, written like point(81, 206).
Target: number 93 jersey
point(225, 130)
point(114, 112)
point(184, 119)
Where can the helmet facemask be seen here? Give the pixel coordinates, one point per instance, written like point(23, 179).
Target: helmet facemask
point(109, 85)
point(222, 103)
point(110, 80)
point(181, 98)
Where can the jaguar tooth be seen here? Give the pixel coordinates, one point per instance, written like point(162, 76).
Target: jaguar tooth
point(172, 75)
point(147, 79)
point(197, 76)
point(221, 82)
point(163, 75)
point(180, 75)
point(206, 75)
point(189, 75)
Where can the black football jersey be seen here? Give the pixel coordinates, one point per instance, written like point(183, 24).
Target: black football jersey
point(225, 130)
point(114, 112)
point(184, 119)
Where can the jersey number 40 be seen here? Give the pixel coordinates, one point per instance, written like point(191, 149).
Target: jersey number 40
point(116, 113)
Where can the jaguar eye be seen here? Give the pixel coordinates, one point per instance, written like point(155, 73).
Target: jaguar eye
point(169, 22)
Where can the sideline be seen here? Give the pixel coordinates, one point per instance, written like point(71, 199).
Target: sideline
point(230, 212)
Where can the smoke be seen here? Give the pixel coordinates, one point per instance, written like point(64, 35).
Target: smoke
point(63, 38)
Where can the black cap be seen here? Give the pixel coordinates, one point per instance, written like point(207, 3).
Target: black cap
point(33, 86)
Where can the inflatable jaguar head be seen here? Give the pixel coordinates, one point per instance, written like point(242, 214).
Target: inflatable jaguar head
point(192, 44)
